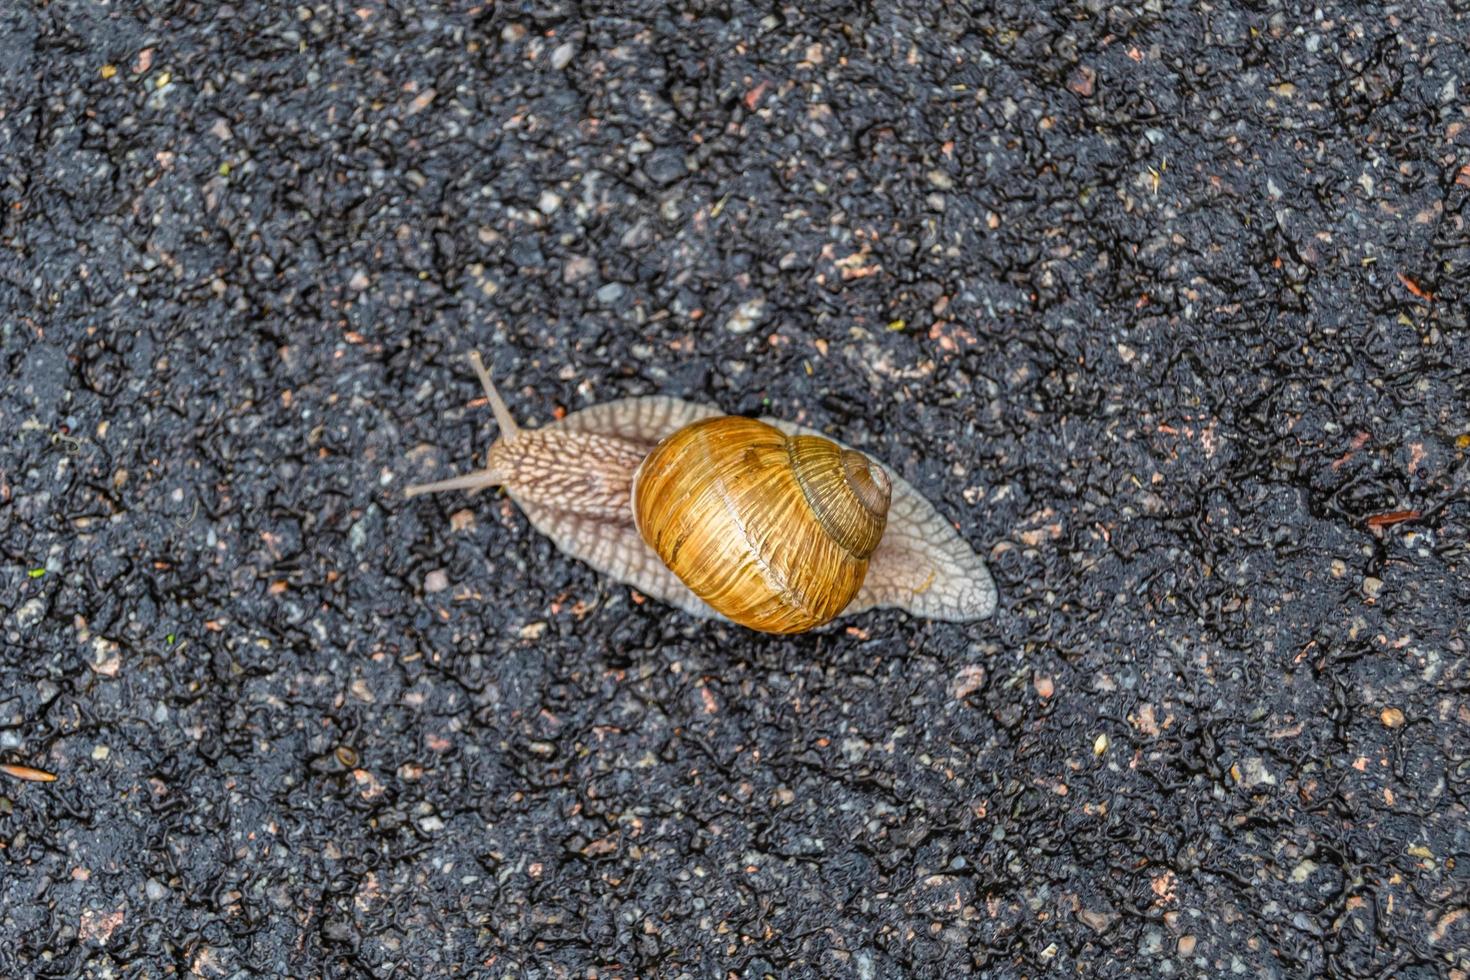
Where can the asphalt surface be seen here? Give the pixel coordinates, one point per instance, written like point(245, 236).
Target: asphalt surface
point(1165, 305)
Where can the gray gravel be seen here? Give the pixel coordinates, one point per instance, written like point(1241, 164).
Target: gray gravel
point(1165, 305)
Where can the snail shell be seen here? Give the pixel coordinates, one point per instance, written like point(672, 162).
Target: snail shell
point(773, 531)
point(574, 480)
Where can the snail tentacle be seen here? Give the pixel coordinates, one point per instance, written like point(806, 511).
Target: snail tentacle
point(490, 476)
point(477, 480)
point(508, 427)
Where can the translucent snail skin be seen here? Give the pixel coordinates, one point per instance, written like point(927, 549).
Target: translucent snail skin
point(768, 524)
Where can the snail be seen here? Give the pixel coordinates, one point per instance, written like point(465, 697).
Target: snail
point(765, 523)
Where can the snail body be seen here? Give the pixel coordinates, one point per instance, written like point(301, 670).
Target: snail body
point(762, 522)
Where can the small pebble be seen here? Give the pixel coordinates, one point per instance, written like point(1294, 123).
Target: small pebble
point(665, 166)
point(549, 202)
point(610, 293)
point(1372, 587)
point(577, 268)
point(31, 613)
point(1391, 718)
point(970, 679)
point(562, 55)
point(357, 537)
point(1083, 80)
point(156, 890)
point(1186, 945)
point(1253, 772)
point(436, 581)
point(746, 316)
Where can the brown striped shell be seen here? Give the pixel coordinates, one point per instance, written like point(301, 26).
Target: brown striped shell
point(773, 531)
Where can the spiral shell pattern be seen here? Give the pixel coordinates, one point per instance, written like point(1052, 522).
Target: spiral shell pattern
point(772, 531)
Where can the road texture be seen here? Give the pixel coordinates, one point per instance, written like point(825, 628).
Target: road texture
point(1165, 305)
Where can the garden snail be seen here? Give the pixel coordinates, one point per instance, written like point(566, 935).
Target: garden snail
point(765, 523)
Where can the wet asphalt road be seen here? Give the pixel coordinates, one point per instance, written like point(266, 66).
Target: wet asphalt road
point(1165, 305)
